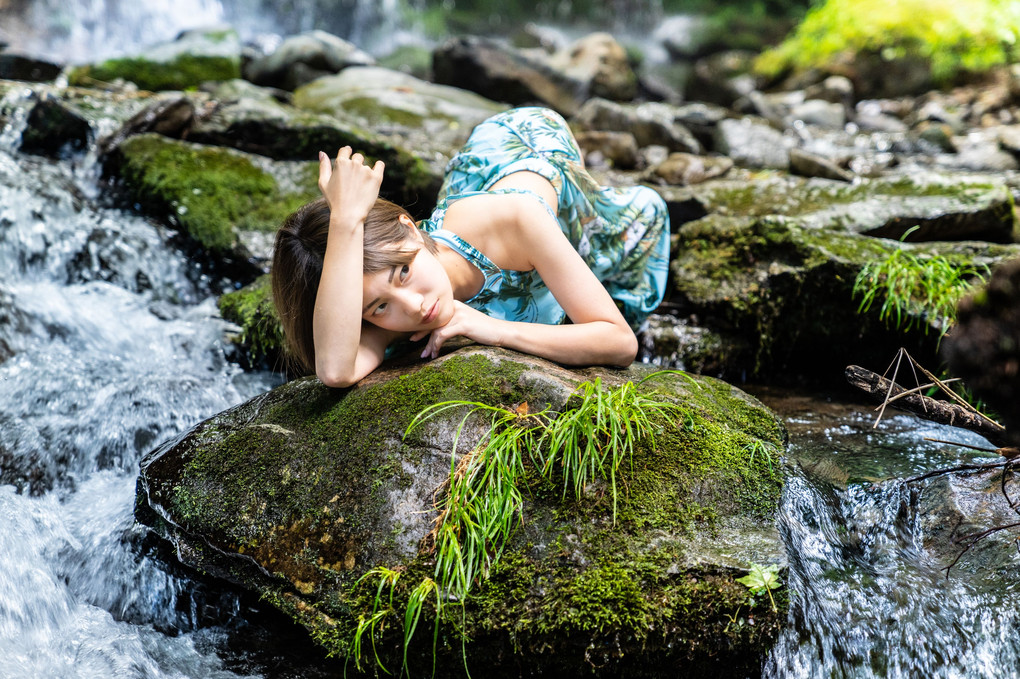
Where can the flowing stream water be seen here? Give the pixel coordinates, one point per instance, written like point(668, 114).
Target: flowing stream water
point(110, 342)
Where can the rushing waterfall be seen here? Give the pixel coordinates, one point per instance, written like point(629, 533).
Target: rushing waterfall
point(109, 343)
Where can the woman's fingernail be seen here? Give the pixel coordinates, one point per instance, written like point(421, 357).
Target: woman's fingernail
point(321, 155)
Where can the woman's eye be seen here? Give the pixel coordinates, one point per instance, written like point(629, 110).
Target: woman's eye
point(379, 309)
point(404, 270)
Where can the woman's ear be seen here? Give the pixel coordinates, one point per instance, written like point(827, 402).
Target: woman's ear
point(407, 221)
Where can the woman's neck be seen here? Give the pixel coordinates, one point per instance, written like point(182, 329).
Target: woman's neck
point(465, 278)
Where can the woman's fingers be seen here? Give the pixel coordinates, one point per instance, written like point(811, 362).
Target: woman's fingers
point(325, 171)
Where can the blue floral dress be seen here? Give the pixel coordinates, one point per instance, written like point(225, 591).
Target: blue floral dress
point(621, 233)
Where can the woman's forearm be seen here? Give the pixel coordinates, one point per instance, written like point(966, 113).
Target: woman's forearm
point(593, 343)
point(336, 321)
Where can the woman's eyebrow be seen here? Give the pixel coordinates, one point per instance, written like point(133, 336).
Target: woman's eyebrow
point(389, 279)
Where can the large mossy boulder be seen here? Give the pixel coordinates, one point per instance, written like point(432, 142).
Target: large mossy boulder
point(195, 57)
point(427, 115)
point(227, 202)
point(768, 266)
point(252, 119)
point(306, 495)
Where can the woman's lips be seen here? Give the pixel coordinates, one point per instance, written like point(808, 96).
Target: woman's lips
point(431, 315)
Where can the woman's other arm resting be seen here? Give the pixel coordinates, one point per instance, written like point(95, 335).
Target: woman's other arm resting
point(530, 238)
point(343, 353)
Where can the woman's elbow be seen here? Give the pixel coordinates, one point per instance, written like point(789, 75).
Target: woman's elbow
point(626, 350)
point(334, 377)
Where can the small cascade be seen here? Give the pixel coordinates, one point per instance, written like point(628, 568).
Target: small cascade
point(868, 599)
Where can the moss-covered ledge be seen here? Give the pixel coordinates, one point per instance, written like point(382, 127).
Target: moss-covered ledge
point(300, 492)
point(214, 195)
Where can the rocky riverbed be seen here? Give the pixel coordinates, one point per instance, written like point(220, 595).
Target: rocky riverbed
point(778, 198)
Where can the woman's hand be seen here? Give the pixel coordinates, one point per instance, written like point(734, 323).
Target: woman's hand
point(466, 322)
point(349, 186)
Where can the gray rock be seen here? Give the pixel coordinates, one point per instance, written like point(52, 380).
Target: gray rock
point(618, 148)
point(753, 143)
point(502, 73)
point(819, 113)
point(301, 492)
point(302, 58)
point(772, 259)
point(55, 129)
point(686, 168)
point(600, 63)
point(651, 123)
point(812, 165)
point(392, 102)
point(835, 89)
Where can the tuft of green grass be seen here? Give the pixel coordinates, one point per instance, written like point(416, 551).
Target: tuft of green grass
point(589, 441)
point(913, 290)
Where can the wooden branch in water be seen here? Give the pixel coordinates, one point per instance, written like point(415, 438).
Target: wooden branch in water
point(942, 412)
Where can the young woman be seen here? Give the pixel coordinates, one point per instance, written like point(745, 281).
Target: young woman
point(522, 238)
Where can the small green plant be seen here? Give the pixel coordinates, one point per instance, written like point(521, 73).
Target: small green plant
point(916, 290)
point(588, 441)
point(758, 447)
point(762, 579)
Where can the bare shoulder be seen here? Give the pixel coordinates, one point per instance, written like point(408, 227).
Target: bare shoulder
point(503, 226)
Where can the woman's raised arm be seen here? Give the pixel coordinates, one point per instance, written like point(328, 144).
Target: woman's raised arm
point(344, 353)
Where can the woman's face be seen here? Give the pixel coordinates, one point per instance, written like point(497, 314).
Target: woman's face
point(409, 298)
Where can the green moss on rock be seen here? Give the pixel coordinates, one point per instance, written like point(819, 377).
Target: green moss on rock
point(185, 71)
point(252, 309)
point(211, 193)
point(300, 492)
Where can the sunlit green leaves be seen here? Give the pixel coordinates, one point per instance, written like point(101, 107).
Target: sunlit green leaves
point(762, 579)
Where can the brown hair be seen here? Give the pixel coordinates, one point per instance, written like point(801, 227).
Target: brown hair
point(297, 265)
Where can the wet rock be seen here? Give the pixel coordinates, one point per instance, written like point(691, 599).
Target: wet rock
point(934, 137)
point(980, 156)
point(819, 113)
point(259, 337)
point(682, 344)
point(504, 74)
point(834, 89)
point(298, 493)
point(617, 148)
point(171, 117)
point(196, 56)
point(302, 58)
point(870, 117)
point(955, 507)
point(876, 77)
point(686, 168)
point(651, 123)
point(701, 119)
point(753, 143)
point(723, 78)
point(212, 194)
point(600, 63)
point(813, 165)
point(55, 129)
point(773, 261)
point(1009, 138)
point(413, 125)
point(984, 347)
point(24, 67)
point(686, 37)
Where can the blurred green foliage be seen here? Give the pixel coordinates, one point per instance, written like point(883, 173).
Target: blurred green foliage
point(954, 37)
